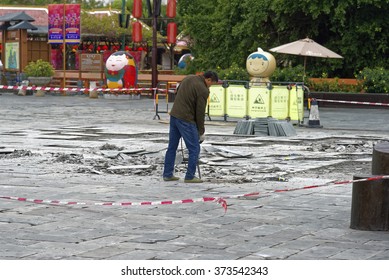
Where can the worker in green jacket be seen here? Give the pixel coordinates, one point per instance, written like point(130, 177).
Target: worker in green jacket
point(187, 121)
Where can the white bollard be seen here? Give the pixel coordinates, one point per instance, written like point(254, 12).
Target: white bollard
point(93, 93)
point(23, 91)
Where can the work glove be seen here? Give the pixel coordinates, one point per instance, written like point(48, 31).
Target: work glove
point(202, 138)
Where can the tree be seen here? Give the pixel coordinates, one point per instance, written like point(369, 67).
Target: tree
point(352, 28)
point(227, 31)
point(108, 26)
point(362, 33)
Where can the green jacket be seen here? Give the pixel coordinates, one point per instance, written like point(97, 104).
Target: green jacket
point(191, 100)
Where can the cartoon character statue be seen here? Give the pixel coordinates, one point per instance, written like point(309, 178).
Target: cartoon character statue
point(121, 70)
point(260, 65)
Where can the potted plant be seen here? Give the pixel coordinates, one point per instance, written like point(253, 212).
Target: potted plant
point(39, 73)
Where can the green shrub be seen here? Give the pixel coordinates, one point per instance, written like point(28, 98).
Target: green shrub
point(39, 68)
point(288, 74)
point(374, 80)
point(369, 80)
point(333, 85)
point(234, 73)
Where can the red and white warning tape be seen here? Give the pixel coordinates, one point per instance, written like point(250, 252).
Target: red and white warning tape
point(354, 102)
point(220, 200)
point(333, 183)
point(80, 89)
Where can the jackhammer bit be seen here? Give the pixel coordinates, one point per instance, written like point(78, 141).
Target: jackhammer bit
point(198, 162)
point(198, 169)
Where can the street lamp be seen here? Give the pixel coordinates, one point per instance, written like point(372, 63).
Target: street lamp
point(64, 44)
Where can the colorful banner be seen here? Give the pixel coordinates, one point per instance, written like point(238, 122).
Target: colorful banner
point(12, 56)
point(55, 23)
point(71, 21)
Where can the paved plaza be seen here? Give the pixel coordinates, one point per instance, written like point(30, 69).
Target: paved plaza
point(109, 150)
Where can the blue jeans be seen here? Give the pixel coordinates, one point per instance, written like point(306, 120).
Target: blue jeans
point(188, 131)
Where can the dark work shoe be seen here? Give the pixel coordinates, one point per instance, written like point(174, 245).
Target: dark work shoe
point(173, 178)
point(194, 180)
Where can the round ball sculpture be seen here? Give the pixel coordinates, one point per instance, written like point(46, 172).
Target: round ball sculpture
point(260, 65)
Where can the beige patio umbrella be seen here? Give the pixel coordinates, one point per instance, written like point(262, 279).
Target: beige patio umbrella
point(306, 47)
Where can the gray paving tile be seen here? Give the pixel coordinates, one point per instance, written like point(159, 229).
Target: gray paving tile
point(308, 224)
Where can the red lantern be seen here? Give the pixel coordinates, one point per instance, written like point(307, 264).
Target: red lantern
point(171, 8)
point(137, 9)
point(171, 32)
point(136, 32)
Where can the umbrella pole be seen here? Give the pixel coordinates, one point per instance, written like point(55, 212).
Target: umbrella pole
point(305, 63)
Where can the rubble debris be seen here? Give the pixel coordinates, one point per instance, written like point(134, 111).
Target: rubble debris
point(277, 178)
point(120, 152)
point(107, 146)
point(342, 147)
point(134, 151)
point(15, 153)
point(210, 159)
point(227, 153)
point(228, 162)
point(69, 158)
point(129, 167)
point(111, 155)
point(152, 151)
point(212, 163)
point(6, 152)
point(89, 170)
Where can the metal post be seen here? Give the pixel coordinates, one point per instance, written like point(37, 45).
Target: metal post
point(154, 52)
point(123, 23)
point(370, 199)
point(64, 44)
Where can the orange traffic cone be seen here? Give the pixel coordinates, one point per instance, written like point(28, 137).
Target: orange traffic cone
point(314, 119)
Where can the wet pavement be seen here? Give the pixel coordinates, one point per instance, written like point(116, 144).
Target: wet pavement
point(85, 152)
